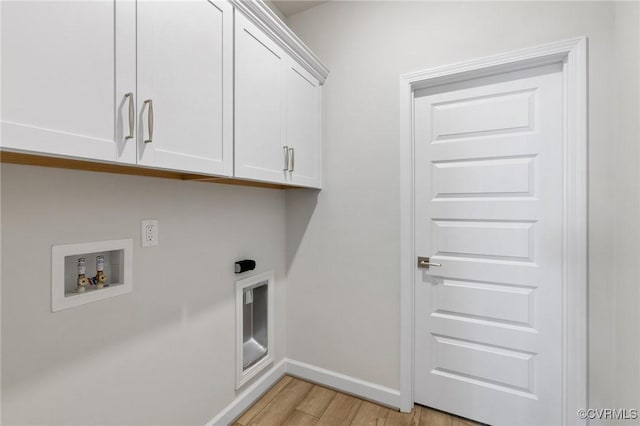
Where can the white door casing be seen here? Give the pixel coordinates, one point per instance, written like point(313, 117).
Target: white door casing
point(488, 160)
point(570, 57)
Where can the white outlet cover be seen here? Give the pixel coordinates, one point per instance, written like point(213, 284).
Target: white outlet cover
point(149, 233)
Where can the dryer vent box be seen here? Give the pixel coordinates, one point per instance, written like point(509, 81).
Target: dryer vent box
point(254, 328)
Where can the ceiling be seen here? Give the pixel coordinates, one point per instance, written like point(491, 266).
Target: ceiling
point(290, 7)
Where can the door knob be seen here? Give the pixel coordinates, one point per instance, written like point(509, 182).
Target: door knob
point(424, 262)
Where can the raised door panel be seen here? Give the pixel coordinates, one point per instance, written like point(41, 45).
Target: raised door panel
point(66, 67)
point(259, 137)
point(185, 78)
point(303, 126)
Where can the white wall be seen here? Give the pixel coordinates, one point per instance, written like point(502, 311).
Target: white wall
point(162, 355)
point(627, 213)
point(343, 266)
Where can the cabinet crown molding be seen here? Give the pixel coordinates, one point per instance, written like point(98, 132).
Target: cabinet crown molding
point(261, 15)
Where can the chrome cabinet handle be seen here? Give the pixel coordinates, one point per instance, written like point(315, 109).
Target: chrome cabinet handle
point(424, 262)
point(150, 120)
point(132, 116)
point(286, 158)
point(292, 159)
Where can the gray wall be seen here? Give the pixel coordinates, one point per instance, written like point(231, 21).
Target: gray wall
point(343, 265)
point(163, 354)
point(627, 212)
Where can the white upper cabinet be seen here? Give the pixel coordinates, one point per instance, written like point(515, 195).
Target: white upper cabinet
point(185, 86)
point(260, 151)
point(205, 87)
point(277, 105)
point(70, 89)
point(302, 124)
point(66, 70)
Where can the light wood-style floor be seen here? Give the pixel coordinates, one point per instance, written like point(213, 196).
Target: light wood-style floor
point(294, 402)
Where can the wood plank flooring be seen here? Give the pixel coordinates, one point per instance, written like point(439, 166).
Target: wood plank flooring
point(294, 402)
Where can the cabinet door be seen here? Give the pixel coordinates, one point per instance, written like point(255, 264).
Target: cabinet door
point(303, 126)
point(66, 67)
point(259, 119)
point(185, 77)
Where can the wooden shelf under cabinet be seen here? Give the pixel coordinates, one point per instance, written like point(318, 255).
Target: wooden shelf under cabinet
point(8, 157)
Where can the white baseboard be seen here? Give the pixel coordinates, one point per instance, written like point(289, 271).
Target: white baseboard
point(341, 382)
point(250, 395)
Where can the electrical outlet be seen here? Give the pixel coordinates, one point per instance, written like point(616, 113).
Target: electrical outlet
point(149, 236)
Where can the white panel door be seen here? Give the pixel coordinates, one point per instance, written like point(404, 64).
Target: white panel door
point(185, 77)
point(66, 68)
point(488, 202)
point(260, 151)
point(303, 126)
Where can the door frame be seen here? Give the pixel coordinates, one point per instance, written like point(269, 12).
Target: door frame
point(572, 54)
